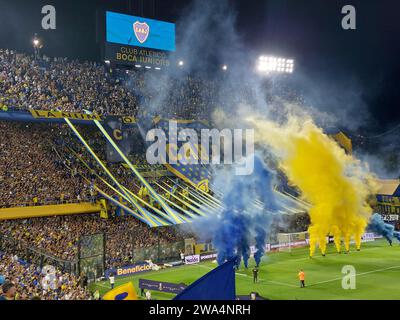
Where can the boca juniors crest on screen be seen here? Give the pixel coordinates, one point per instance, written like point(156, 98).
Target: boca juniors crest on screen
point(142, 31)
point(139, 32)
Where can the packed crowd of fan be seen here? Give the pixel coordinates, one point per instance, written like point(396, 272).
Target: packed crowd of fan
point(72, 86)
point(57, 83)
point(30, 172)
point(60, 84)
point(23, 281)
point(59, 236)
point(40, 162)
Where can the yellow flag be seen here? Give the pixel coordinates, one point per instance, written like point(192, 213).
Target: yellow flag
point(125, 292)
point(103, 208)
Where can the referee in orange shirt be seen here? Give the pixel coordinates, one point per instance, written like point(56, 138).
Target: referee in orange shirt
point(302, 277)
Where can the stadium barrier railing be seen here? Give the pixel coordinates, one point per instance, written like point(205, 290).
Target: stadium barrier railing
point(160, 253)
point(35, 256)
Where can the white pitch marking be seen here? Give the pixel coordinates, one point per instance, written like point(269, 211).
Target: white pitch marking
point(358, 274)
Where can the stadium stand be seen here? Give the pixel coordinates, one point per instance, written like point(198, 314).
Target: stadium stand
point(60, 84)
point(45, 164)
point(29, 281)
point(59, 236)
point(71, 86)
point(30, 172)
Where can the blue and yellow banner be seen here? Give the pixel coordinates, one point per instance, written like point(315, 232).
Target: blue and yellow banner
point(198, 175)
point(48, 114)
point(125, 133)
point(125, 292)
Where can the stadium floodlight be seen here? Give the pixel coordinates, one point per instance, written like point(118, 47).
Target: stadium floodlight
point(147, 67)
point(181, 63)
point(157, 68)
point(36, 46)
point(224, 67)
point(269, 64)
point(138, 66)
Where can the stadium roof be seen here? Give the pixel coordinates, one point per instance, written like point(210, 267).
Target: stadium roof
point(388, 187)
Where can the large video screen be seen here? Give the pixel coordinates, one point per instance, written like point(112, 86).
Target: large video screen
point(139, 32)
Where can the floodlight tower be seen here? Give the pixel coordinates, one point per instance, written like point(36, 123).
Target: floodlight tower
point(37, 45)
point(270, 64)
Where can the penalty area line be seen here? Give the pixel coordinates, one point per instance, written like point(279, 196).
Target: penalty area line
point(357, 274)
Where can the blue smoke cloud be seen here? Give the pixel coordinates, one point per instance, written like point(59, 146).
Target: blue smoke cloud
point(261, 236)
point(377, 225)
point(249, 207)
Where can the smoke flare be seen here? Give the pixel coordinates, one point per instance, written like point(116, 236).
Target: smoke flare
point(336, 184)
point(377, 225)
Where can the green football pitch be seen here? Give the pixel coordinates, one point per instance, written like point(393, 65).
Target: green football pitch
point(377, 268)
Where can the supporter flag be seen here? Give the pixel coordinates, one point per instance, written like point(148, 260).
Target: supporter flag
point(125, 133)
point(125, 292)
point(103, 208)
point(218, 284)
point(197, 175)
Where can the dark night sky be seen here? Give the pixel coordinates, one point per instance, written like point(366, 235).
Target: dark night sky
point(309, 30)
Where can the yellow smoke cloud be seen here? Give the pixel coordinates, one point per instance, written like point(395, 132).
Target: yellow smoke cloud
point(336, 184)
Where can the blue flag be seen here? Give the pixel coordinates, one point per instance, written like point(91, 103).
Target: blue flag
point(218, 284)
point(194, 174)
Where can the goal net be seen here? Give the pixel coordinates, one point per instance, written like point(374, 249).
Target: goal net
point(288, 241)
